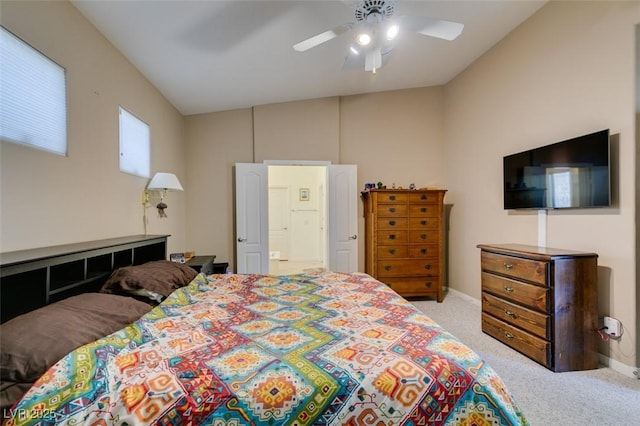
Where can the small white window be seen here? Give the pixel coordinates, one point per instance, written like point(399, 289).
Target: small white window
point(33, 106)
point(134, 145)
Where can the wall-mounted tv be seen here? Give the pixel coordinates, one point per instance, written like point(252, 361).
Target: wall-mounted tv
point(574, 173)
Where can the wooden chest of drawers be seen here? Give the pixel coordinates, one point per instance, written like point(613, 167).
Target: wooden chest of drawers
point(542, 302)
point(404, 240)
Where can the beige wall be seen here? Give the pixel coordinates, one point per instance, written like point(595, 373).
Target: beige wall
point(566, 71)
point(214, 143)
point(49, 199)
point(303, 130)
point(392, 137)
point(306, 235)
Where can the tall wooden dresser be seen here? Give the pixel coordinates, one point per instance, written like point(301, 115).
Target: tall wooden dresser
point(542, 302)
point(404, 239)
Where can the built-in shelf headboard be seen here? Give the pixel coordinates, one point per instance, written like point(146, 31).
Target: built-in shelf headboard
point(33, 278)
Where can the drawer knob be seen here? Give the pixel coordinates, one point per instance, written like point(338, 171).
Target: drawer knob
point(423, 210)
point(427, 266)
point(508, 289)
point(427, 284)
point(509, 335)
point(392, 236)
point(424, 222)
point(392, 251)
point(423, 197)
point(508, 266)
point(423, 251)
point(423, 236)
point(387, 267)
point(392, 197)
point(509, 313)
point(392, 209)
point(392, 223)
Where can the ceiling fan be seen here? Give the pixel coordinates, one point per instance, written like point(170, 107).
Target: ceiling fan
point(376, 30)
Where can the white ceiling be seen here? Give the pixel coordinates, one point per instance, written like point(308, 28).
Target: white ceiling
point(207, 56)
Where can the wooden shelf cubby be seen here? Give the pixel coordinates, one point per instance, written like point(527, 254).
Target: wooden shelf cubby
point(33, 278)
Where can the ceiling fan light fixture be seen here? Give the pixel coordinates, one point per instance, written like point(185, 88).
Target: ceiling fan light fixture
point(392, 32)
point(363, 39)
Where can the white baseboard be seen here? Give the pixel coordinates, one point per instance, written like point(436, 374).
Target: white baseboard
point(465, 297)
point(621, 368)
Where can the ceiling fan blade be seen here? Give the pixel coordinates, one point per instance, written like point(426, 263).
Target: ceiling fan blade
point(359, 61)
point(437, 28)
point(322, 37)
point(373, 60)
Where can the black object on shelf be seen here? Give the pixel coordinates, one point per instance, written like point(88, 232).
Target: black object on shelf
point(202, 264)
point(220, 268)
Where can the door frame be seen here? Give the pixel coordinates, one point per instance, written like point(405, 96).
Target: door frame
point(333, 242)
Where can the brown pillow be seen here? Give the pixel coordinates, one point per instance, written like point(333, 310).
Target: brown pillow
point(33, 342)
point(159, 277)
point(10, 392)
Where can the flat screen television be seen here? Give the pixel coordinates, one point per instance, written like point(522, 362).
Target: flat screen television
point(574, 173)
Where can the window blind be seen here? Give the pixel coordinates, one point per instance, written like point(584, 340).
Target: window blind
point(33, 106)
point(134, 145)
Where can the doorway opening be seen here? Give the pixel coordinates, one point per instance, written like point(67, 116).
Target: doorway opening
point(297, 201)
point(339, 207)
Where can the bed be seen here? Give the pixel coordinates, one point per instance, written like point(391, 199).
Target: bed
point(237, 349)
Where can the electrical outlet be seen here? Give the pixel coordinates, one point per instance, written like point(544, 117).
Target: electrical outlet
point(612, 327)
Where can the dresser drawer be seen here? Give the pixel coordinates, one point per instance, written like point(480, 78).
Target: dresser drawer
point(526, 343)
point(424, 210)
point(527, 269)
point(424, 250)
point(532, 296)
point(526, 319)
point(404, 240)
point(384, 197)
point(424, 198)
point(392, 223)
point(408, 267)
point(413, 286)
point(392, 236)
point(426, 236)
point(392, 252)
point(424, 222)
point(392, 210)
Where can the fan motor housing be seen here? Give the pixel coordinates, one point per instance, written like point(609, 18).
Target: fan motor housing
point(376, 9)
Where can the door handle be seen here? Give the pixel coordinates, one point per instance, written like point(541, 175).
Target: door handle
point(353, 237)
point(240, 240)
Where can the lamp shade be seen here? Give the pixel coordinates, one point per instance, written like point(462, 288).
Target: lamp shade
point(165, 181)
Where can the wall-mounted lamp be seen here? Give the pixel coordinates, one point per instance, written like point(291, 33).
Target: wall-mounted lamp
point(162, 182)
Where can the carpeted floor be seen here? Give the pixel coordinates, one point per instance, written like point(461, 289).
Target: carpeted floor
point(596, 397)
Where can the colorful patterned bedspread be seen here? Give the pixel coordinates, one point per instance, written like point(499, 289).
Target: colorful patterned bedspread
point(327, 349)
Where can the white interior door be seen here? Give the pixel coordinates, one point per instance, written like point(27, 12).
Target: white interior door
point(343, 218)
point(279, 219)
point(252, 219)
